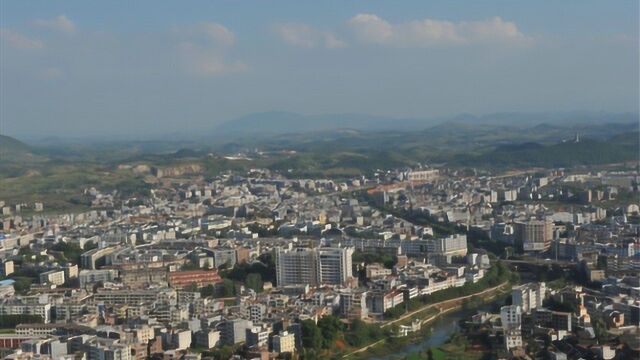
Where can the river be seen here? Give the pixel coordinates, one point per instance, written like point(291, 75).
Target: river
point(441, 330)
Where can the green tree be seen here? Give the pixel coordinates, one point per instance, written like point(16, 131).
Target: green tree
point(359, 333)
point(309, 354)
point(229, 288)
point(193, 287)
point(223, 353)
point(311, 335)
point(254, 281)
point(207, 291)
point(10, 321)
point(330, 327)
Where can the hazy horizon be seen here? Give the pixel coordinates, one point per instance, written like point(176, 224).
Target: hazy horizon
point(210, 132)
point(75, 69)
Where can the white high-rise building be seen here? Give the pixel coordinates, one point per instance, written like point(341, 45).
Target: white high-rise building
point(319, 266)
point(528, 296)
point(511, 317)
point(334, 265)
point(452, 245)
point(296, 266)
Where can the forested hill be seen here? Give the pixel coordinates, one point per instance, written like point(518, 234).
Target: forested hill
point(620, 148)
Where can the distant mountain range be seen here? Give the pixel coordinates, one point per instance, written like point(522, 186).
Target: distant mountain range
point(278, 122)
point(405, 140)
point(271, 123)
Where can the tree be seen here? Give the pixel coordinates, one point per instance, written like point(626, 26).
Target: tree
point(311, 335)
point(11, 321)
point(309, 354)
point(193, 287)
point(330, 327)
point(359, 333)
point(600, 330)
point(254, 281)
point(229, 288)
point(223, 353)
point(207, 291)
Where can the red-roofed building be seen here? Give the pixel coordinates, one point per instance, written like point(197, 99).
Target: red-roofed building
point(183, 279)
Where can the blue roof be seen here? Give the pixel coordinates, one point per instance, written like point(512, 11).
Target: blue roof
point(7, 282)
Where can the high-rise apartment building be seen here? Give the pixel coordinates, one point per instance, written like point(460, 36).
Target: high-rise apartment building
point(534, 235)
point(334, 265)
point(454, 245)
point(319, 266)
point(528, 296)
point(296, 266)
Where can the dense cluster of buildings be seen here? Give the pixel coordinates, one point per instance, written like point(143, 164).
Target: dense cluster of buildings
point(158, 277)
point(566, 323)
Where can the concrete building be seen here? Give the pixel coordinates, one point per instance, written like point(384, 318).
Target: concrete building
point(234, 331)
point(207, 338)
point(6, 268)
point(534, 235)
point(528, 296)
point(136, 297)
point(423, 175)
point(224, 257)
point(284, 342)
point(201, 278)
point(454, 245)
point(296, 266)
point(88, 277)
point(114, 351)
point(53, 277)
point(334, 265)
point(95, 258)
point(512, 339)
point(353, 303)
point(257, 336)
point(511, 317)
point(320, 266)
point(20, 307)
point(182, 339)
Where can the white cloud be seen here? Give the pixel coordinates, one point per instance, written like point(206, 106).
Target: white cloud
point(203, 48)
point(201, 61)
point(218, 33)
point(302, 35)
point(370, 28)
point(60, 23)
point(19, 41)
point(296, 34)
point(332, 42)
point(208, 33)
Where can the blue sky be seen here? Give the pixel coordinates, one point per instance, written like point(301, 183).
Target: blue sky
point(75, 68)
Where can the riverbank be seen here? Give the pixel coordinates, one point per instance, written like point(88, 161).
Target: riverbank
point(386, 346)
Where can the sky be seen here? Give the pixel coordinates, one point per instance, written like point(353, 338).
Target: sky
point(105, 68)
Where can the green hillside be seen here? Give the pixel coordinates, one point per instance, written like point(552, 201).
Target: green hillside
point(620, 148)
point(10, 146)
point(16, 157)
